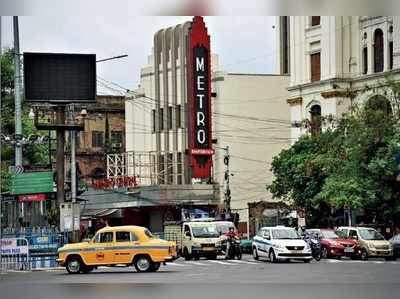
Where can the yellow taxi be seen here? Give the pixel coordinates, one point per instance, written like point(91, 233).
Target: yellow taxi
point(127, 245)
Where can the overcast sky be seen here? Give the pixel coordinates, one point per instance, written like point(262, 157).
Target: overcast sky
point(244, 44)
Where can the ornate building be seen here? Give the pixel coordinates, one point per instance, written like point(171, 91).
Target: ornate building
point(334, 61)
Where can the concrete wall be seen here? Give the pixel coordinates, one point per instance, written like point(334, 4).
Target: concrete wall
point(251, 116)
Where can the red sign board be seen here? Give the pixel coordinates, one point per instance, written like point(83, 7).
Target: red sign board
point(32, 197)
point(199, 97)
point(122, 182)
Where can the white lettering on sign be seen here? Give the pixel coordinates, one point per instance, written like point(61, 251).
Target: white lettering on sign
point(201, 136)
point(200, 97)
point(200, 83)
point(200, 119)
point(200, 64)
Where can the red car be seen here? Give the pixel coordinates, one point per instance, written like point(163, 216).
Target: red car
point(334, 246)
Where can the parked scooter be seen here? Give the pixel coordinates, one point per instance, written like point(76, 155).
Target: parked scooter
point(315, 244)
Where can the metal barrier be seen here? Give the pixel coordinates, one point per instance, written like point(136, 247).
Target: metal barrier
point(14, 254)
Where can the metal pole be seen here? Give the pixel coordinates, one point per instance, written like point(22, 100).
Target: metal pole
point(17, 93)
point(73, 175)
point(60, 155)
point(227, 177)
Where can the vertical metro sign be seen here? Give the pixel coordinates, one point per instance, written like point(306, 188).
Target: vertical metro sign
point(199, 101)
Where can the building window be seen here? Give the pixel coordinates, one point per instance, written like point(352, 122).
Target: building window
point(365, 60)
point(170, 117)
point(378, 51)
point(315, 20)
point(97, 139)
point(153, 119)
point(170, 169)
point(179, 168)
point(161, 119)
point(285, 45)
point(315, 122)
point(315, 67)
point(178, 116)
point(161, 172)
point(116, 138)
point(390, 55)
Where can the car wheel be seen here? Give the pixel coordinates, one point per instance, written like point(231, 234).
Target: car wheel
point(324, 253)
point(390, 258)
point(364, 255)
point(155, 267)
point(143, 263)
point(255, 254)
point(212, 256)
point(74, 265)
point(239, 255)
point(87, 269)
point(186, 254)
point(272, 256)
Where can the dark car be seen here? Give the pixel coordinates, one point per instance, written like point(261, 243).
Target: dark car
point(395, 240)
point(334, 246)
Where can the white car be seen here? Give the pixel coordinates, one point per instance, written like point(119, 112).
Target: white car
point(280, 243)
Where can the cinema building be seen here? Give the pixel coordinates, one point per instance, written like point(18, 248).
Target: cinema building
point(186, 111)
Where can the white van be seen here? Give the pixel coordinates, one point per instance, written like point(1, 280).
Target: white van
point(280, 243)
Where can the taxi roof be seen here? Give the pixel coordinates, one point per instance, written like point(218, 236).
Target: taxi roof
point(120, 228)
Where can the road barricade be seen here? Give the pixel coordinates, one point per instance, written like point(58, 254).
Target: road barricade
point(14, 254)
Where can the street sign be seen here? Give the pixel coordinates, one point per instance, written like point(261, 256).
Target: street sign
point(32, 183)
point(32, 197)
point(12, 246)
point(16, 169)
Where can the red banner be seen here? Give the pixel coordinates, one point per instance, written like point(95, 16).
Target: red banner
point(122, 182)
point(32, 197)
point(199, 97)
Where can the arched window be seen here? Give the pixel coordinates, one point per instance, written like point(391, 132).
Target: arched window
point(378, 51)
point(391, 48)
point(365, 60)
point(379, 103)
point(315, 120)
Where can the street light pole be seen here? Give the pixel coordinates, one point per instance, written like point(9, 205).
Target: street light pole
point(17, 93)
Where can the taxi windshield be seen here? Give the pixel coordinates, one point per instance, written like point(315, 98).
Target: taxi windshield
point(205, 231)
point(370, 234)
point(285, 234)
point(328, 234)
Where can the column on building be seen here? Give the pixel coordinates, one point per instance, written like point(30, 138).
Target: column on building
point(396, 42)
point(296, 117)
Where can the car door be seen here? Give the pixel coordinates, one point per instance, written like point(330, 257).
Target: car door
point(124, 247)
point(267, 241)
point(101, 252)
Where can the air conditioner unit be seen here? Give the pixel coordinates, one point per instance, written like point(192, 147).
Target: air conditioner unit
point(117, 145)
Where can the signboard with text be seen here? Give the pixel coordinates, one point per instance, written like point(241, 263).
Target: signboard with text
point(199, 92)
point(13, 246)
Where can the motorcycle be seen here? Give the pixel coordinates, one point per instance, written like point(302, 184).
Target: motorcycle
point(315, 245)
point(233, 249)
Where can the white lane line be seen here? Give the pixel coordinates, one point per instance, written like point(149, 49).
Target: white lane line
point(223, 263)
point(176, 264)
point(243, 262)
point(196, 263)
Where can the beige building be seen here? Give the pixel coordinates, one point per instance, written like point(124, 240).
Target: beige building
point(252, 118)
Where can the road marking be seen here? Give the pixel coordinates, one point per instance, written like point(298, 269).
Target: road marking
point(176, 264)
point(243, 262)
point(223, 263)
point(196, 263)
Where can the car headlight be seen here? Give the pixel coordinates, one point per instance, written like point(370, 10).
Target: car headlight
point(280, 246)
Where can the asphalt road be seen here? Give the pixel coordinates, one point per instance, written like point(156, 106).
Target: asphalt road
point(212, 279)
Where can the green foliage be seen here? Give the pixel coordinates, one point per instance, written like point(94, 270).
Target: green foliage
point(32, 154)
point(353, 166)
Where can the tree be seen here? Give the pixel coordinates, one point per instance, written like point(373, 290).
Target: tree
point(32, 154)
point(353, 166)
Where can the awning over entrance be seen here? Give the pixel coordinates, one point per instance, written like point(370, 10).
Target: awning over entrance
point(99, 213)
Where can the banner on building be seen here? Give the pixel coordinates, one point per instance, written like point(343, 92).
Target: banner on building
point(199, 94)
